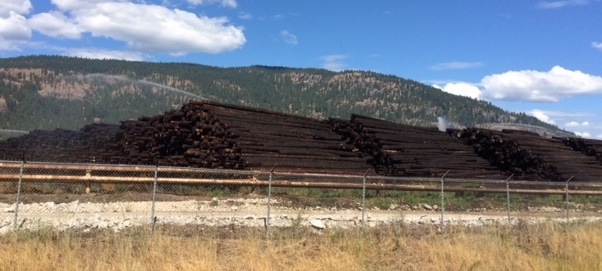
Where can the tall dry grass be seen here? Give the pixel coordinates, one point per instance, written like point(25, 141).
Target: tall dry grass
point(546, 246)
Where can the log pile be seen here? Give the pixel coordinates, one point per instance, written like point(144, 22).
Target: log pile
point(507, 154)
point(213, 135)
point(289, 142)
point(554, 152)
point(60, 145)
point(200, 134)
point(529, 156)
point(351, 133)
point(589, 147)
point(191, 136)
point(401, 150)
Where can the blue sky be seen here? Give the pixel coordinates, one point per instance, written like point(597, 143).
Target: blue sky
point(539, 57)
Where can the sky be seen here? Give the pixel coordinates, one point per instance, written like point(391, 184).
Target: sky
point(543, 58)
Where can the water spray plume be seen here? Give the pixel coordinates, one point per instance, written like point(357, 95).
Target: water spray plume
point(14, 131)
point(171, 89)
point(144, 82)
point(8, 133)
point(442, 124)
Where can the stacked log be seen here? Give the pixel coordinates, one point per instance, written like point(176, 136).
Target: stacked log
point(289, 142)
point(530, 156)
point(589, 147)
point(401, 150)
point(507, 154)
point(201, 134)
point(60, 145)
point(187, 137)
point(568, 162)
point(213, 135)
point(352, 133)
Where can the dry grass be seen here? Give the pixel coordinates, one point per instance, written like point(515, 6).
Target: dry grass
point(547, 246)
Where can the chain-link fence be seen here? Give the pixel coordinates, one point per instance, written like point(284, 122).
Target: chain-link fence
point(36, 195)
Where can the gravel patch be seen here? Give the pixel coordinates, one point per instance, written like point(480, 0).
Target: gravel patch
point(242, 212)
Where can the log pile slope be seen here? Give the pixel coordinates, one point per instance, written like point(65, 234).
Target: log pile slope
point(214, 135)
point(83, 146)
point(190, 136)
point(531, 157)
point(401, 150)
point(200, 134)
point(588, 147)
point(289, 142)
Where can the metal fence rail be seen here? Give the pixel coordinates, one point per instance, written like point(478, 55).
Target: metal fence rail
point(136, 174)
point(157, 183)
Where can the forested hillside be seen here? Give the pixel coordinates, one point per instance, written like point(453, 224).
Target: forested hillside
point(48, 92)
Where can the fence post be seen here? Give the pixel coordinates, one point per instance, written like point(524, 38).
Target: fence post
point(267, 218)
point(153, 219)
point(364, 199)
point(16, 222)
point(508, 196)
point(566, 188)
point(442, 199)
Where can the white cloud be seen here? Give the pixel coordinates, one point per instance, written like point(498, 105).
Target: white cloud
point(550, 86)
point(105, 54)
point(572, 124)
point(13, 31)
point(225, 3)
point(245, 16)
point(461, 89)
point(584, 134)
point(456, 65)
point(577, 124)
point(9, 45)
point(334, 62)
point(564, 114)
point(17, 6)
point(597, 45)
point(13, 25)
point(55, 24)
point(70, 5)
point(288, 37)
point(580, 127)
point(542, 115)
point(147, 28)
point(561, 4)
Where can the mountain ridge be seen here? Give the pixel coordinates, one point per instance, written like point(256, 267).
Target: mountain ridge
point(49, 92)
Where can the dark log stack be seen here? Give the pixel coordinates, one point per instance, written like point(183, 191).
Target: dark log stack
point(214, 135)
point(289, 142)
point(60, 145)
point(191, 136)
point(401, 150)
point(200, 134)
point(531, 157)
point(588, 147)
point(554, 152)
point(506, 154)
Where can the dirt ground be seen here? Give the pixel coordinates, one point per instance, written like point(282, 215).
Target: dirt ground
point(96, 197)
